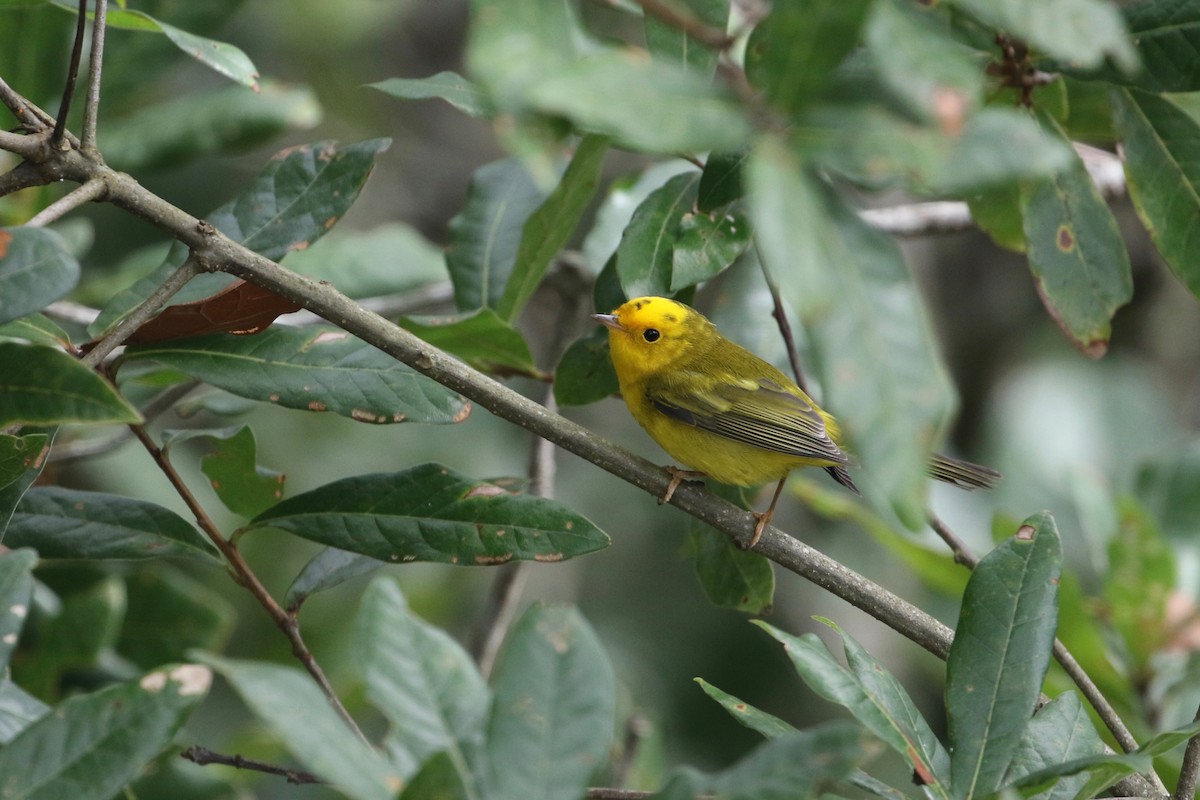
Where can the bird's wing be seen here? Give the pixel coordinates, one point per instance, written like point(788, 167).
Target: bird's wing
point(758, 413)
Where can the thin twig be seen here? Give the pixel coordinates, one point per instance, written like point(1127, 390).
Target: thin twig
point(606, 793)
point(91, 107)
point(1186, 788)
point(244, 575)
point(780, 315)
point(962, 553)
point(85, 193)
point(637, 729)
point(90, 448)
point(30, 117)
point(22, 176)
point(203, 756)
point(64, 108)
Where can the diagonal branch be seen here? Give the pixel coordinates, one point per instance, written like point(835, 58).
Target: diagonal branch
point(84, 193)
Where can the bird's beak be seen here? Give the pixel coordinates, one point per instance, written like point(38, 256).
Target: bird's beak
point(609, 321)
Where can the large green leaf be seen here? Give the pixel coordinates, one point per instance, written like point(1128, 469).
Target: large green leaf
point(644, 105)
point(792, 53)
point(70, 523)
point(1165, 34)
point(36, 329)
point(482, 338)
point(177, 130)
point(16, 590)
point(290, 703)
point(1162, 163)
point(93, 744)
point(44, 386)
point(1076, 252)
point(218, 56)
point(864, 322)
point(707, 243)
point(646, 254)
point(18, 710)
point(1082, 32)
point(485, 236)
point(431, 513)
point(292, 203)
point(624, 196)
point(175, 614)
point(874, 697)
point(548, 228)
point(1000, 653)
point(36, 268)
point(313, 369)
point(671, 45)
point(731, 577)
point(425, 684)
point(922, 65)
point(1060, 731)
point(388, 259)
point(449, 86)
point(555, 700)
point(585, 372)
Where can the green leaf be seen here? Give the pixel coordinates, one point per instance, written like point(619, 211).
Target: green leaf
point(878, 148)
point(11, 494)
point(874, 697)
point(1164, 35)
point(36, 268)
point(549, 227)
point(431, 513)
point(292, 203)
point(922, 65)
point(1140, 581)
point(1060, 731)
point(244, 487)
point(388, 259)
point(486, 235)
point(625, 194)
point(217, 56)
point(1076, 252)
point(19, 454)
point(555, 701)
point(997, 210)
point(1162, 164)
point(667, 43)
point(44, 386)
point(645, 105)
point(438, 779)
point(1000, 653)
point(94, 744)
point(449, 86)
point(290, 703)
point(753, 718)
point(1090, 642)
point(69, 523)
point(179, 129)
point(425, 684)
point(325, 570)
point(585, 372)
point(36, 329)
point(313, 369)
point(18, 710)
point(175, 614)
point(16, 590)
point(858, 306)
point(721, 180)
point(731, 577)
point(706, 244)
point(1082, 32)
point(481, 338)
point(645, 256)
point(792, 53)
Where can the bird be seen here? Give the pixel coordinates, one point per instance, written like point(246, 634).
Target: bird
point(724, 412)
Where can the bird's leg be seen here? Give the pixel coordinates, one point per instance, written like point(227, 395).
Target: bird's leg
point(678, 476)
point(764, 517)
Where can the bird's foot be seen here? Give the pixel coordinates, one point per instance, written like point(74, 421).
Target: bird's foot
point(764, 519)
point(678, 476)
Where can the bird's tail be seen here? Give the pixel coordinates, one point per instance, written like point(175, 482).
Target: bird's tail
point(962, 474)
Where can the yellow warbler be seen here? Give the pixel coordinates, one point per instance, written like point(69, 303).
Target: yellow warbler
point(725, 412)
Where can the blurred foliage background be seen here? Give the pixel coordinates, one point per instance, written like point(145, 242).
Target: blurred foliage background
point(1069, 433)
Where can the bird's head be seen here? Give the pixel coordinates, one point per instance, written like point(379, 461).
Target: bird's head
point(648, 334)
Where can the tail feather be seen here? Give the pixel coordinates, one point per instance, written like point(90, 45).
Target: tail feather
point(840, 475)
point(963, 474)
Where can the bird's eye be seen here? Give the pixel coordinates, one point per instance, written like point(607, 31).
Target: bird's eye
point(651, 335)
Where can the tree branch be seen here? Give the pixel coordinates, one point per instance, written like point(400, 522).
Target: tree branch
point(203, 756)
point(85, 193)
point(64, 108)
point(91, 108)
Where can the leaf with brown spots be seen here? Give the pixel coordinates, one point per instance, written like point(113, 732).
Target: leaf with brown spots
point(241, 308)
point(431, 513)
